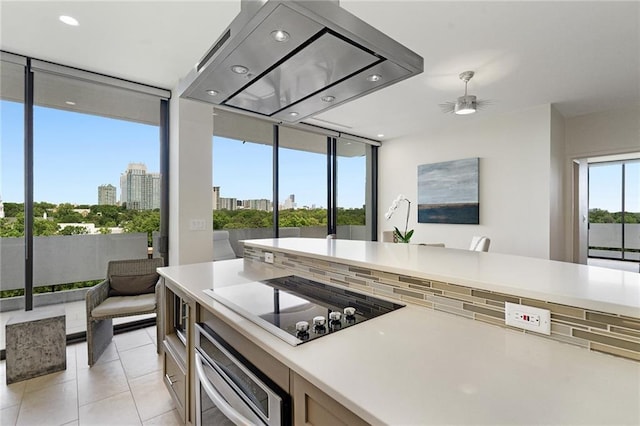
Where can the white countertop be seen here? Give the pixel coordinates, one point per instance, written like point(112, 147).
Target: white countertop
point(415, 366)
point(587, 287)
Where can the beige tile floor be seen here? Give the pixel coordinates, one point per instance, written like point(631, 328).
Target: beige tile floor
point(124, 388)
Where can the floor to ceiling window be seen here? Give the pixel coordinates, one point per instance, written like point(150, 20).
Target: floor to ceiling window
point(242, 178)
point(12, 260)
point(351, 190)
point(614, 210)
point(302, 184)
point(317, 184)
point(97, 184)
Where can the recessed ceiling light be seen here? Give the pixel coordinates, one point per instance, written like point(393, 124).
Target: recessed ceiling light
point(239, 69)
point(280, 35)
point(374, 77)
point(69, 20)
point(381, 135)
point(293, 114)
point(212, 92)
point(328, 98)
point(69, 102)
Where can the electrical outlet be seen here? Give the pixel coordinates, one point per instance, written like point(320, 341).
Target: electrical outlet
point(197, 225)
point(268, 257)
point(528, 317)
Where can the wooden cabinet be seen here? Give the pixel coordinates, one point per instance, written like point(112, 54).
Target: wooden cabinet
point(177, 323)
point(175, 377)
point(311, 406)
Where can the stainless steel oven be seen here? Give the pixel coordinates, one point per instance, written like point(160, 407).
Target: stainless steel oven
point(230, 390)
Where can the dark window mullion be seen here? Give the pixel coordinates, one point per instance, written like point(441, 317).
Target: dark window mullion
point(163, 243)
point(623, 209)
point(276, 215)
point(334, 186)
point(28, 187)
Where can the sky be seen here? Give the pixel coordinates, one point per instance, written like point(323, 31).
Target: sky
point(75, 153)
point(605, 186)
point(244, 170)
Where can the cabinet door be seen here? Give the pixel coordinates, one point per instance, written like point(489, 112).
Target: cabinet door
point(175, 379)
point(311, 406)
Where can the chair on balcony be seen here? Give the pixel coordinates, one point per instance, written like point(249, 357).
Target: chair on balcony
point(479, 244)
point(222, 249)
point(131, 288)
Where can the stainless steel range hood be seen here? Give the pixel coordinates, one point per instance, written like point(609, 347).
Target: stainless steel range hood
point(291, 60)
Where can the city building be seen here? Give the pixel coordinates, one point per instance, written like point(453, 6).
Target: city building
point(216, 197)
point(289, 203)
point(226, 203)
point(1, 209)
point(107, 195)
point(139, 190)
point(259, 204)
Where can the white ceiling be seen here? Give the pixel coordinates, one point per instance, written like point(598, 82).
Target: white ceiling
point(582, 57)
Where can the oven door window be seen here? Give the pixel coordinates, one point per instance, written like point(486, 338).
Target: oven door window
point(249, 388)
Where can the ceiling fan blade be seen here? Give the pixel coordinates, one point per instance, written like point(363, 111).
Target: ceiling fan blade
point(447, 107)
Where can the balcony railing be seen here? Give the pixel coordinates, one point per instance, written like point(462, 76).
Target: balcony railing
point(63, 259)
point(605, 240)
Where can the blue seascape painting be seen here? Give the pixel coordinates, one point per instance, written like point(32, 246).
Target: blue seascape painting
point(448, 192)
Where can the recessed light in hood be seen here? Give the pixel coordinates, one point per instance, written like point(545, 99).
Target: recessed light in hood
point(326, 57)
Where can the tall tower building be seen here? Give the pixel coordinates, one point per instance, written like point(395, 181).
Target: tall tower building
point(107, 195)
point(216, 197)
point(140, 190)
point(290, 202)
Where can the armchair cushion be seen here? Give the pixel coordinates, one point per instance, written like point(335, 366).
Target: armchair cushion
point(131, 285)
point(118, 306)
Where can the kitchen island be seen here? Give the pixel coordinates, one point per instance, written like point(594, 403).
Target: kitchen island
point(419, 365)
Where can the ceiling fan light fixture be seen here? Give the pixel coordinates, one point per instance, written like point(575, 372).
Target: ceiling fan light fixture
point(465, 105)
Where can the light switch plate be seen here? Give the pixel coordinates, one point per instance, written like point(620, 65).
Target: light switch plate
point(528, 318)
point(268, 257)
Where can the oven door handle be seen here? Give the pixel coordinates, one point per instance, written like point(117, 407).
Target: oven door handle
point(218, 399)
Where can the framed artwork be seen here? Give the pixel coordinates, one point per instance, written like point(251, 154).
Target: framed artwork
point(448, 192)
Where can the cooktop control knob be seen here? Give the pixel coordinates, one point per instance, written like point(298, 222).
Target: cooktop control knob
point(350, 312)
point(319, 321)
point(302, 327)
point(335, 316)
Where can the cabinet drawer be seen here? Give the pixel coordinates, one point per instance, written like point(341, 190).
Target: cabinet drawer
point(175, 379)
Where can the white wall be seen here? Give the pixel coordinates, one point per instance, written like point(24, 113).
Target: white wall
point(515, 177)
point(190, 197)
point(557, 207)
point(614, 131)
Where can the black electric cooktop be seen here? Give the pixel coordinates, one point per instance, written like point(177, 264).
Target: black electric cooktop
point(299, 310)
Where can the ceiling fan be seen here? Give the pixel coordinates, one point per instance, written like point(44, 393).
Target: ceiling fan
point(467, 104)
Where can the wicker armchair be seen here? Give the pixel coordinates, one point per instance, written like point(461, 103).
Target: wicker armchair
point(102, 308)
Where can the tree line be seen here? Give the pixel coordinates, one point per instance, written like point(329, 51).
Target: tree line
point(238, 219)
point(47, 218)
point(604, 216)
